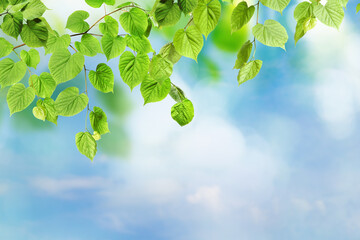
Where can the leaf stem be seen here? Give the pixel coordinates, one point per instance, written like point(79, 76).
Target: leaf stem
point(21, 45)
point(191, 19)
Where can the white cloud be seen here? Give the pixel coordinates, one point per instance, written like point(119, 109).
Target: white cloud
point(67, 187)
point(208, 196)
point(336, 66)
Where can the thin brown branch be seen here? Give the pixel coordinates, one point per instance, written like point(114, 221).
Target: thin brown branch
point(21, 45)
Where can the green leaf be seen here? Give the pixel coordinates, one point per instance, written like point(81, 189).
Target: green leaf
point(111, 26)
point(138, 44)
point(153, 90)
point(187, 5)
point(98, 3)
point(103, 78)
point(5, 47)
point(243, 55)
point(86, 144)
point(63, 66)
point(302, 10)
point(133, 69)
point(34, 33)
point(112, 46)
point(34, 9)
point(76, 21)
point(331, 14)
point(11, 72)
point(89, 45)
point(39, 113)
point(94, 3)
point(160, 68)
point(189, 42)
point(206, 15)
point(177, 94)
point(183, 112)
point(56, 42)
point(49, 105)
point(249, 71)
point(134, 22)
point(343, 3)
point(148, 29)
point(3, 4)
point(44, 84)
point(19, 98)
point(167, 13)
point(358, 8)
point(31, 58)
point(303, 25)
point(12, 24)
point(70, 103)
point(241, 16)
point(169, 52)
point(98, 121)
point(277, 5)
point(271, 34)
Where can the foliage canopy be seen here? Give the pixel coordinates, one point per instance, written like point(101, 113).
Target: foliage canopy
point(139, 63)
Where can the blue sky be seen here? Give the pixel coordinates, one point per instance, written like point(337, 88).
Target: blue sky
point(276, 158)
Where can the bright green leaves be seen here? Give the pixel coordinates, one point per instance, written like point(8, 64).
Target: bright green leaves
point(11, 72)
point(89, 45)
point(133, 69)
point(34, 9)
point(139, 44)
point(187, 6)
point(5, 47)
point(98, 3)
point(44, 85)
point(206, 15)
point(19, 98)
point(110, 26)
point(303, 10)
point(271, 34)
point(305, 18)
point(176, 93)
point(358, 8)
point(34, 33)
point(183, 112)
point(39, 112)
point(56, 42)
point(154, 90)
point(134, 22)
point(303, 25)
point(241, 16)
point(167, 13)
point(76, 21)
point(168, 51)
point(243, 55)
point(330, 14)
point(249, 71)
point(98, 121)
point(277, 5)
point(31, 58)
point(103, 78)
point(12, 24)
point(48, 106)
point(86, 144)
point(64, 66)
point(112, 46)
point(160, 68)
point(70, 103)
point(188, 42)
